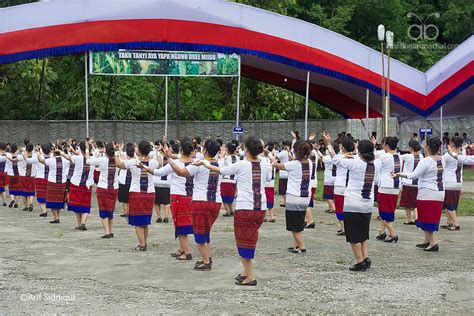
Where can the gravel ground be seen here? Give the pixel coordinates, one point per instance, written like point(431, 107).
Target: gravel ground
point(46, 269)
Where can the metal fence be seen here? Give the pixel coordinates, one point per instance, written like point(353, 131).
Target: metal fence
point(129, 131)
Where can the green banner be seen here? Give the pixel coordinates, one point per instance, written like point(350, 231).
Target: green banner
point(164, 63)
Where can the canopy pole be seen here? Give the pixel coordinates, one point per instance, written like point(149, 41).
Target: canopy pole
point(306, 106)
point(367, 112)
point(387, 109)
point(166, 107)
point(87, 94)
point(237, 119)
point(441, 122)
point(383, 85)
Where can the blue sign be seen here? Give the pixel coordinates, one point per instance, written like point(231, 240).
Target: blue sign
point(238, 130)
point(426, 131)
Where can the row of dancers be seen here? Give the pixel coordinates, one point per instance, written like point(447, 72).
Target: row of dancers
point(202, 177)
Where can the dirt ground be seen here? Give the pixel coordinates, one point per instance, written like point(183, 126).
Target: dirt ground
point(46, 269)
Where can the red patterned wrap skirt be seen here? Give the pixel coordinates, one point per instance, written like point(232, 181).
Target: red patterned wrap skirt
point(246, 225)
point(182, 214)
point(106, 198)
point(79, 199)
point(204, 214)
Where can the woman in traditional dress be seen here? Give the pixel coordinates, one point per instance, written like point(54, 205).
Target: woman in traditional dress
point(452, 177)
point(3, 174)
point(207, 200)
point(228, 184)
point(13, 176)
point(125, 179)
point(389, 189)
point(251, 175)
point(429, 173)
point(267, 156)
point(56, 188)
point(181, 190)
point(358, 199)
point(80, 190)
point(106, 187)
point(142, 192)
point(162, 187)
point(298, 192)
point(410, 186)
point(27, 171)
point(41, 181)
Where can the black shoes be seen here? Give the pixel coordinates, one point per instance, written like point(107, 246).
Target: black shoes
point(11, 204)
point(108, 236)
point(4, 204)
point(203, 266)
point(55, 221)
point(25, 209)
point(298, 250)
point(251, 283)
point(368, 262)
point(30, 208)
point(392, 239)
point(341, 233)
point(165, 220)
point(185, 257)
point(43, 214)
point(381, 236)
point(82, 227)
point(409, 223)
point(425, 245)
point(361, 266)
point(433, 249)
point(310, 225)
point(159, 220)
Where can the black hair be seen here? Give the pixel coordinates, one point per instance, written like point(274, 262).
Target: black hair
point(172, 142)
point(270, 146)
point(158, 142)
point(82, 146)
point(46, 148)
point(186, 146)
point(175, 148)
point(457, 141)
point(212, 147)
point(456, 134)
point(254, 146)
point(29, 147)
point(236, 142)
point(415, 145)
point(348, 144)
point(302, 150)
point(464, 134)
point(100, 144)
point(219, 141)
point(366, 150)
point(26, 141)
point(3, 146)
point(335, 147)
point(392, 142)
point(110, 149)
point(231, 148)
point(13, 148)
point(144, 147)
point(130, 150)
point(434, 144)
point(198, 140)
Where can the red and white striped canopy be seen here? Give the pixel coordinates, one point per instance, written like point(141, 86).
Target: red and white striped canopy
point(274, 49)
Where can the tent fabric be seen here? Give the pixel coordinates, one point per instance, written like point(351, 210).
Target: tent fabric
point(60, 27)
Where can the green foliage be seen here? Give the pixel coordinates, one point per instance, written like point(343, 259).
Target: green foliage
point(54, 88)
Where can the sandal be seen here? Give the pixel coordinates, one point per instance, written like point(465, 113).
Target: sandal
point(249, 283)
point(341, 233)
point(199, 262)
point(185, 257)
point(177, 254)
point(140, 248)
point(240, 277)
point(203, 267)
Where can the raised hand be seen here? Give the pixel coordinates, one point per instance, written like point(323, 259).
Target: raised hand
point(373, 140)
point(326, 138)
point(312, 136)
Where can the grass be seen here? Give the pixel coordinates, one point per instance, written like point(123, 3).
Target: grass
point(466, 204)
point(468, 174)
